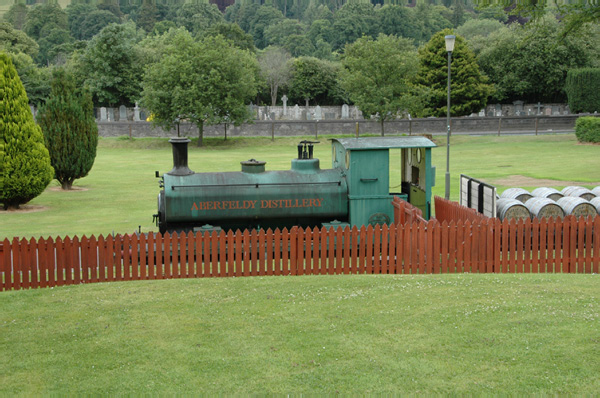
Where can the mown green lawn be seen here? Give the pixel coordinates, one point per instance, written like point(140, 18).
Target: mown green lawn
point(120, 192)
point(422, 334)
point(432, 334)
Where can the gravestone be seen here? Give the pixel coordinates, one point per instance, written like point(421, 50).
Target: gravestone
point(103, 114)
point(136, 113)
point(272, 116)
point(318, 113)
point(345, 111)
point(518, 107)
point(32, 108)
point(498, 111)
point(284, 99)
point(481, 113)
point(539, 108)
point(555, 110)
point(143, 116)
point(548, 111)
point(122, 113)
point(296, 112)
point(111, 114)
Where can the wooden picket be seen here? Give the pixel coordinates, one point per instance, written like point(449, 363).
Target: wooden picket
point(570, 245)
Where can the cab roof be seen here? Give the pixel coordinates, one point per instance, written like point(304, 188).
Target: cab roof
point(369, 143)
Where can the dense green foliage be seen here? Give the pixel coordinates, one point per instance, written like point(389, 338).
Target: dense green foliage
point(587, 129)
point(70, 130)
point(469, 90)
point(378, 76)
point(44, 17)
point(574, 14)
point(17, 15)
point(583, 90)
point(531, 63)
point(36, 80)
point(197, 17)
point(207, 82)
point(25, 169)
point(16, 41)
point(314, 80)
point(234, 33)
point(112, 76)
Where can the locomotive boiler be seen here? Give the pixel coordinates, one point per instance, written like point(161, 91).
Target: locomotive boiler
point(355, 191)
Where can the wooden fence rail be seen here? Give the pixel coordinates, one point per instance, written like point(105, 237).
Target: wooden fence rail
point(489, 246)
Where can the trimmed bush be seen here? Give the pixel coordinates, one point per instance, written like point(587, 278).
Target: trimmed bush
point(587, 129)
point(25, 169)
point(70, 130)
point(583, 90)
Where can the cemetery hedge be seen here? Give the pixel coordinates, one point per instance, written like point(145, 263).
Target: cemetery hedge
point(583, 90)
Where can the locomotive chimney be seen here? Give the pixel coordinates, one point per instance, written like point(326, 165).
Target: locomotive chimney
point(180, 157)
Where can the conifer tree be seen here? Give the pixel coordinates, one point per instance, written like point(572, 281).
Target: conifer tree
point(70, 130)
point(469, 87)
point(25, 169)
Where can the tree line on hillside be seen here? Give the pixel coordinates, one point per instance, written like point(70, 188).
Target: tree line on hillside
point(109, 47)
point(193, 62)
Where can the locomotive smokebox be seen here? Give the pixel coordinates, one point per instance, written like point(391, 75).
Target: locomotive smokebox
point(180, 157)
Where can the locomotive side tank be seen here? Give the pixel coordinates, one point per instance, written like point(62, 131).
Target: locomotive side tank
point(354, 192)
point(305, 195)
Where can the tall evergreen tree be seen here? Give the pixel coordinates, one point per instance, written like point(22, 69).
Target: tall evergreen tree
point(469, 87)
point(25, 169)
point(70, 130)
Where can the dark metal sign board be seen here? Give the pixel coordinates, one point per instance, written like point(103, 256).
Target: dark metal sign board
point(478, 195)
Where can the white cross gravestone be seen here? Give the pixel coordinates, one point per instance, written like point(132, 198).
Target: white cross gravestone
point(284, 100)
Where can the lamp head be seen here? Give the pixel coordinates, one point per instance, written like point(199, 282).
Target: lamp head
point(450, 43)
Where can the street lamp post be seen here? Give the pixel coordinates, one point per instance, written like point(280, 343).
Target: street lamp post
point(449, 48)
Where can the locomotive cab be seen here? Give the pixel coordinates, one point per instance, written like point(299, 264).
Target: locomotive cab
point(365, 161)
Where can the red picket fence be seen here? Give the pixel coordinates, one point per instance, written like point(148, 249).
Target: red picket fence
point(489, 246)
point(405, 212)
point(446, 210)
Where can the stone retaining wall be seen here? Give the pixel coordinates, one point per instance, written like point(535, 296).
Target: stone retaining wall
point(464, 125)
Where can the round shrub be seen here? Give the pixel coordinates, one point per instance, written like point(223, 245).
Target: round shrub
point(587, 129)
